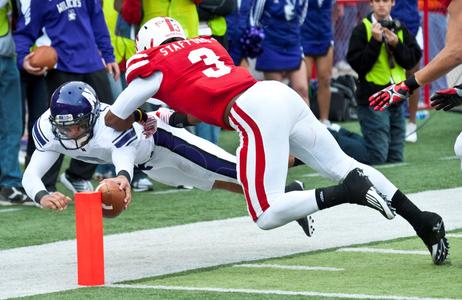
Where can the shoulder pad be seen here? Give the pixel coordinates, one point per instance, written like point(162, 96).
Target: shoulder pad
point(41, 132)
point(138, 66)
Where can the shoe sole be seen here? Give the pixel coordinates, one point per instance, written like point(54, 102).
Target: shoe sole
point(307, 225)
point(440, 250)
point(375, 201)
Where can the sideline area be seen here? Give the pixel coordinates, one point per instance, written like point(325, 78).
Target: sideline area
point(52, 267)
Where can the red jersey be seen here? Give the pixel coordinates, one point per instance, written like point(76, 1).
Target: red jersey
point(199, 77)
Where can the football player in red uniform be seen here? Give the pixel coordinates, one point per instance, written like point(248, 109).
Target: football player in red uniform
point(197, 77)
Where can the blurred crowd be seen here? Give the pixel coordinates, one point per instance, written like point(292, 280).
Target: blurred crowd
point(304, 43)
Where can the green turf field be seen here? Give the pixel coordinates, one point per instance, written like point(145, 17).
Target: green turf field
point(429, 164)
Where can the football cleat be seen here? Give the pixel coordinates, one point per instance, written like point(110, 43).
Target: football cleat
point(306, 222)
point(362, 192)
point(432, 233)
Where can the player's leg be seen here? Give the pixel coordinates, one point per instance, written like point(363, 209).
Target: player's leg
point(315, 146)
point(262, 157)
point(458, 147)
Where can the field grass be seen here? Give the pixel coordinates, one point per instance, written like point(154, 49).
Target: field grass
point(376, 274)
point(429, 164)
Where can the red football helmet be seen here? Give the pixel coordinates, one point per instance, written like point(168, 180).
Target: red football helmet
point(156, 31)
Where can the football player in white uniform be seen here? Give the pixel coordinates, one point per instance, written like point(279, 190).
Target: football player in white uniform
point(74, 126)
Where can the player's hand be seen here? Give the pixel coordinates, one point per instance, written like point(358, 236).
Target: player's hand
point(55, 201)
point(149, 126)
point(392, 94)
point(30, 69)
point(164, 114)
point(124, 185)
point(447, 98)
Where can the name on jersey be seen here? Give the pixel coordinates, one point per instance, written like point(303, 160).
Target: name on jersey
point(65, 5)
point(173, 47)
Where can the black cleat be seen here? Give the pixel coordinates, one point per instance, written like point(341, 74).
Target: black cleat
point(432, 233)
point(306, 222)
point(363, 192)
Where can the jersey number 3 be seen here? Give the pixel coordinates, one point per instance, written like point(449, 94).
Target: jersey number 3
point(210, 59)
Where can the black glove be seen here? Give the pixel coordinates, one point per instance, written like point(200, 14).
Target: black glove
point(447, 98)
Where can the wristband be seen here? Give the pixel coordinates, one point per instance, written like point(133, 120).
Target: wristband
point(39, 196)
point(412, 84)
point(179, 120)
point(139, 115)
point(125, 174)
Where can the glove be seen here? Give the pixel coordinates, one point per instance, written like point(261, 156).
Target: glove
point(393, 94)
point(164, 114)
point(149, 126)
point(447, 98)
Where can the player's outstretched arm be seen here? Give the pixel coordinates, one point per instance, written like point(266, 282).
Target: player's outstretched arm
point(451, 55)
point(55, 201)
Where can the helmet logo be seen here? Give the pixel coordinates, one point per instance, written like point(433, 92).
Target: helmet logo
point(90, 97)
point(64, 118)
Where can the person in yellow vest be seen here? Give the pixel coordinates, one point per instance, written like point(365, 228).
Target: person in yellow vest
point(10, 115)
point(381, 49)
point(184, 11)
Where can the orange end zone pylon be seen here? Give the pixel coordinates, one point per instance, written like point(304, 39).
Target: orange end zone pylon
point(89, 232)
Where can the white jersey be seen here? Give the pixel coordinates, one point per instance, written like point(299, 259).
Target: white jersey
point(171, 156)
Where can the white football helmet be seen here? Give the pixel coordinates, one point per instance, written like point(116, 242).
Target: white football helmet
point(156, 31)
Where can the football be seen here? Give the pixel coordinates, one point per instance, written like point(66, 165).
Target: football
point(44, 56)
point(112, 198)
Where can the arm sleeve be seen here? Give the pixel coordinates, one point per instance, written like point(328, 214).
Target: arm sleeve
point(39, 164)
point(124, 159)
point(136, 94)
point(100, 31)
point(408, 53)
point(256, 12)
point(362, 54)
point(28, 28)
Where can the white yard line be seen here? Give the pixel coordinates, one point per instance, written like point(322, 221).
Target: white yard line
point(383, 251)
point(147, 253)
point(454, 235)
point(385, 166)
point(169, 191)
point(5, 210)
point(273, 292)
point(289, 267)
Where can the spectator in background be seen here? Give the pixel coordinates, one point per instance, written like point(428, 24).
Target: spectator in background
point(212, 22)
point(10, 114)
point(33, 91)
point(317, 47)
point(237, 23)
point(79, 34)
point(380, 51)
point(407, 13)
point(282, 55)
point(184, 11)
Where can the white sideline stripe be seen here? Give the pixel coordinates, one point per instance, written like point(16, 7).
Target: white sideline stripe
point(270, 292)
point(453, 157)
point(288, 267)
point(311, 175)
point(386, 166)
point(9, 210)
point(454, 235)
point(169, 191)
point(385, 251)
